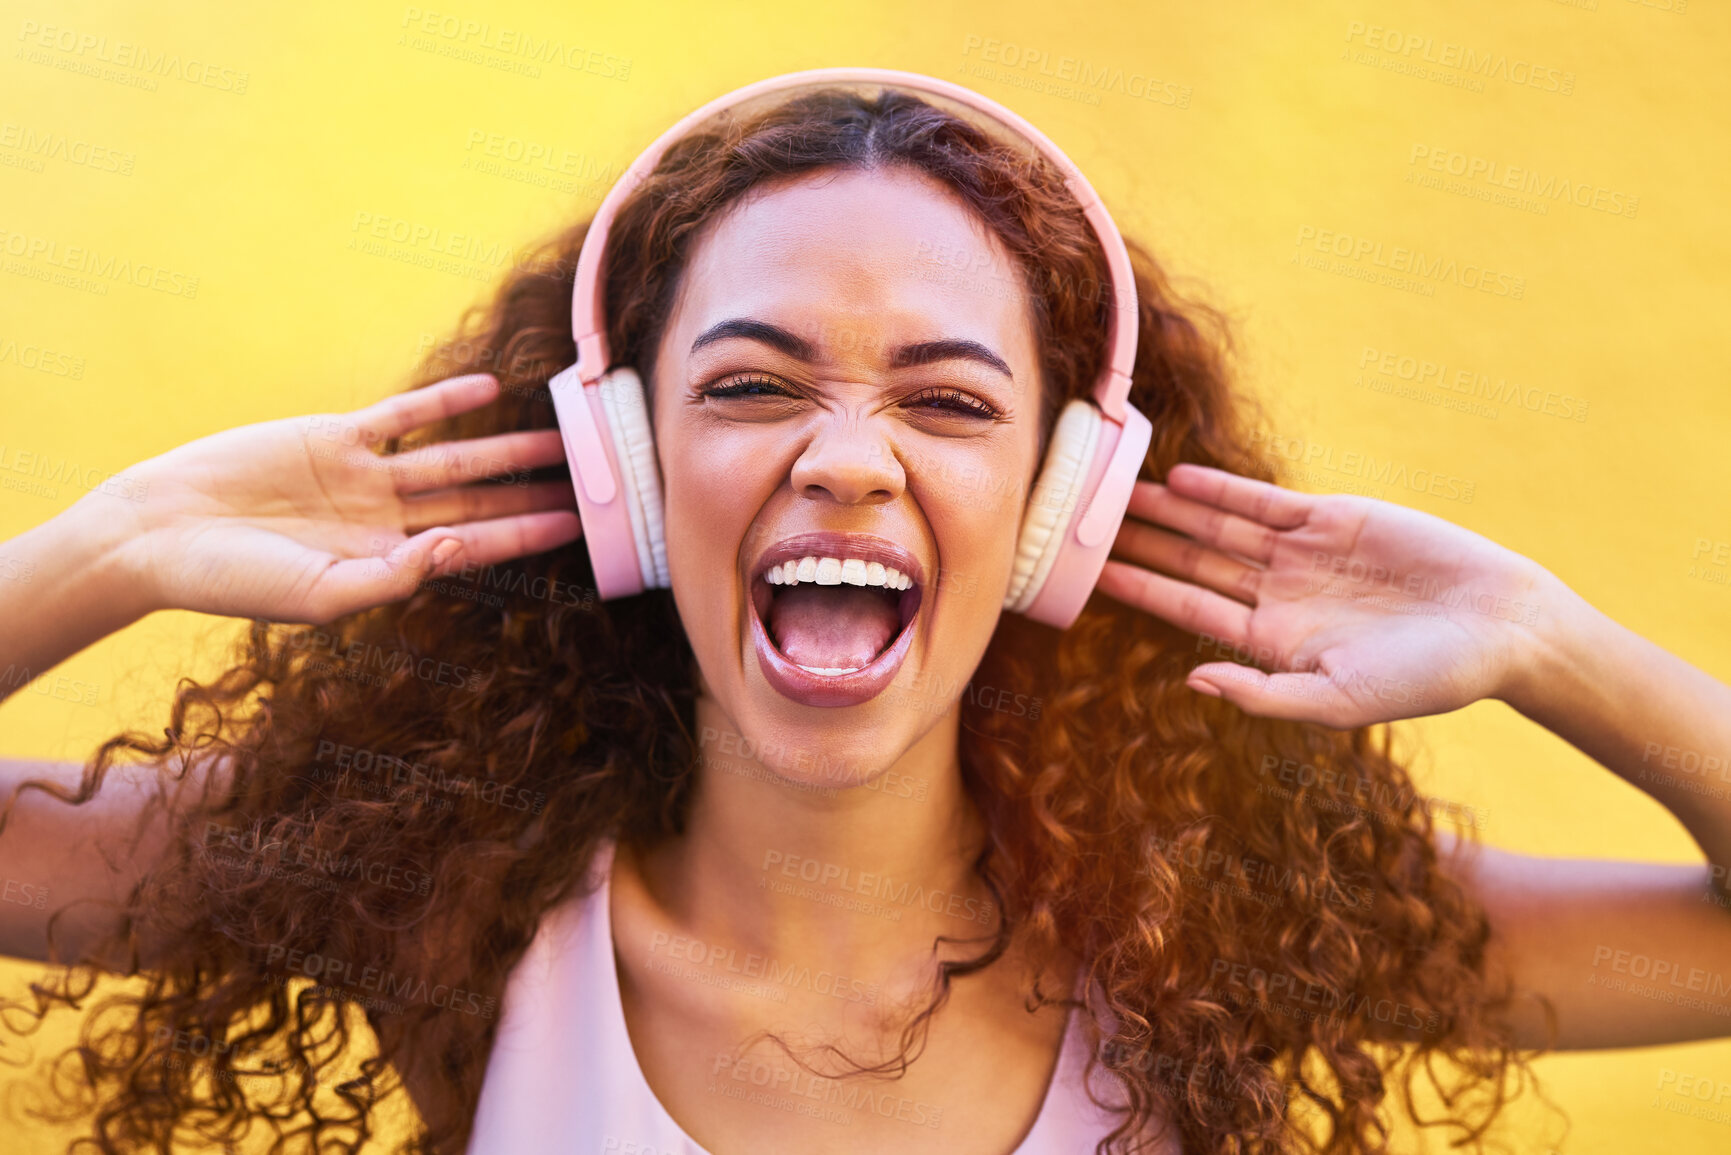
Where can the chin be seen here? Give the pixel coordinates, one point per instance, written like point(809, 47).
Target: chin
point(761, 732)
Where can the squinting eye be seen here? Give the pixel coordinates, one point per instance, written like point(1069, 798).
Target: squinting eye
point(749, 387)
point(953, 401)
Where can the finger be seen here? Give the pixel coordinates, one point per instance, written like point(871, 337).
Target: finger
point(1153, 502)
point(1189, 607)
point(398, 414)
point(1260, 501)
point(1297, 697)
point(455, 462)
point(503, 538)
point(1151, 547)
point(484, 502)
point(358, 583)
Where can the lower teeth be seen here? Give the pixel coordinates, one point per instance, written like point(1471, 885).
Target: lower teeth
point(831, 670)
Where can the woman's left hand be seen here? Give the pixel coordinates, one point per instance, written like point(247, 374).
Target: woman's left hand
point(1360, 611)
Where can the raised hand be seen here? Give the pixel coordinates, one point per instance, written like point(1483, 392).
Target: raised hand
point(1358, 611)
point(300, 520)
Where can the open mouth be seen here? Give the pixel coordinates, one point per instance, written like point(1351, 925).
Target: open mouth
point(832, 616)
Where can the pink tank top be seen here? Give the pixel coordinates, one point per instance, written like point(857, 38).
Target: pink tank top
point(564, 1079)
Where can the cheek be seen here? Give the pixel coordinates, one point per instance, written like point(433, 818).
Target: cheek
point(976, 520)
point(710, 481)
point(712, 489)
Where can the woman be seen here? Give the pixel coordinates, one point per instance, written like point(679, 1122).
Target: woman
point(1118, 857)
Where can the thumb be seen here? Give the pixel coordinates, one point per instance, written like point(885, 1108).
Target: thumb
point(360, 583)
point(1299, 697)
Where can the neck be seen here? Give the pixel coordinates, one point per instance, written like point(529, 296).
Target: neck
point(866, 875)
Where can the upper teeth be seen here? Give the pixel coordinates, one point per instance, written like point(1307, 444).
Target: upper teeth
point(833, 571)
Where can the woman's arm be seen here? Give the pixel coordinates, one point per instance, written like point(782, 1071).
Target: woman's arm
point(1631, 953)
point(1368, 612)
point(296, 520)
point(78, 592)
point(1638, 710)
point(85, 859)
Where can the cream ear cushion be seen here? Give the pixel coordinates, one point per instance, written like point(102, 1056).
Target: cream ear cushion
point(1053, 502)
point(634, 446)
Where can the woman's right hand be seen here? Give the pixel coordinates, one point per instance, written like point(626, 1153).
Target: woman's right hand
point(300, 520)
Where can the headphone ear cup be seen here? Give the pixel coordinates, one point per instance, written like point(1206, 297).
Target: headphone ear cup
point(634, 447)
point(1052, 506)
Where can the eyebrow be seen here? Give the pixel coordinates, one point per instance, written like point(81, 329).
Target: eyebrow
point(797, 347)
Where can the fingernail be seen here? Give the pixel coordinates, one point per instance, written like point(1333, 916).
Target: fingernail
point(1205, 688)
point(444, 552)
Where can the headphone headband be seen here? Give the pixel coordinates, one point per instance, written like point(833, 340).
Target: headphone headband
point(1092, 461)
point(589, 326)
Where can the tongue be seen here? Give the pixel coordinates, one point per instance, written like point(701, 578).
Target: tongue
point(832, 627)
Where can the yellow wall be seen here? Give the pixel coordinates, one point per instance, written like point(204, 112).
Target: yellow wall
point(1233, 138)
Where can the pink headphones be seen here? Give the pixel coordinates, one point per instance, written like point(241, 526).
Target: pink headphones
point(1084, 486)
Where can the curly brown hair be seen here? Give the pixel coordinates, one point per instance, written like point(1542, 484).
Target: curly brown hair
point(457, 758)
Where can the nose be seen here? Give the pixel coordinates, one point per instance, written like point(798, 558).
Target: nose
point(849, 460)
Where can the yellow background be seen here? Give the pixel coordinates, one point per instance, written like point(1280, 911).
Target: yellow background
point(257, 195)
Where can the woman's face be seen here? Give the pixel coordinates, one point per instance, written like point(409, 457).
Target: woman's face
point(848, 373)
